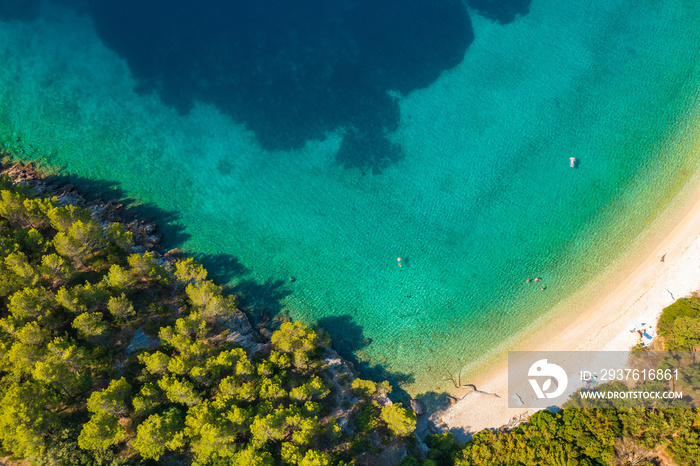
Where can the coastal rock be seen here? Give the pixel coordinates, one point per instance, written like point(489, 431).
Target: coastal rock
point(337, 366)
point(432, 427)
point(105, 213)
point(384, 400)
point(450, 400)
point(242, 333)
point(340, 373)
point(264, 318)
point(152, 240)
point(418, 407)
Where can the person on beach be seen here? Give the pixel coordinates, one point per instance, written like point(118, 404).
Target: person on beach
point(398, 261)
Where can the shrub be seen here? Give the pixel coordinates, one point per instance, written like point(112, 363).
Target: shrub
point(399, 420)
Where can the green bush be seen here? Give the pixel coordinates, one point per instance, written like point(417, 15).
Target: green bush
point(683, 307)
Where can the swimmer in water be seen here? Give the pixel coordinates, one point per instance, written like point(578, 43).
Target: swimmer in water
point(528, 280)
point(398, 261)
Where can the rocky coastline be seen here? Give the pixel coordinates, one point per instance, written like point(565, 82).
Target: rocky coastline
point(340, 372)
point(146, 238)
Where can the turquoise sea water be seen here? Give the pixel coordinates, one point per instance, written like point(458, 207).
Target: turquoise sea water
point(480, 198)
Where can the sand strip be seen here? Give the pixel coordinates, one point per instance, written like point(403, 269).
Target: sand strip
point(632, 291)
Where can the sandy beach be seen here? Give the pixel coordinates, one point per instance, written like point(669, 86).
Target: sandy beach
point(666, 267)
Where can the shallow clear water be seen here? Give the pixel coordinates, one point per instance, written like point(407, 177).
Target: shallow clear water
point(480, 198)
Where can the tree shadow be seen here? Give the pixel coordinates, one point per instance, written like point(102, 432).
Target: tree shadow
point(29, 10)
point(465, 434)
point(353, 150)
point(436, 403)
point(22, 10)
point(94, 190)
point(347, 338)
point(291, 71)
point(261, 301)
point(503, 11)
point(222, 268)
